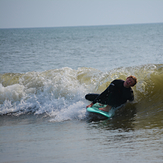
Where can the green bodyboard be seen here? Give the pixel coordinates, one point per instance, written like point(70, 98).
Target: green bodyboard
point(95, 109)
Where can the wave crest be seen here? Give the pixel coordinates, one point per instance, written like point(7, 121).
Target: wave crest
point(54, 91)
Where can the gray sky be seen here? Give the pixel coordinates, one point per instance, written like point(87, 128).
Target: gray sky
point(54, 13)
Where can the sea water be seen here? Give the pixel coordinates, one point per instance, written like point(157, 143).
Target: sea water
point(44, 76)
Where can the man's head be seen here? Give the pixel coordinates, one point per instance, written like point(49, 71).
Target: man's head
point(130, 81)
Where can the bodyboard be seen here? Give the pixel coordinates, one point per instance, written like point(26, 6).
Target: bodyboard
point(95, 109)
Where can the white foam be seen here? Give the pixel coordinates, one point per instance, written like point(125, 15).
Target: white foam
point(58, 93)
point(11, 93)
point(75, 111)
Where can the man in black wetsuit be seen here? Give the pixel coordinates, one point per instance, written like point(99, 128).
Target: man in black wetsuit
point(118, 92)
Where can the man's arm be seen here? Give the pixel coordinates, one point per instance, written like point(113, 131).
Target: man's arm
point(104, 94)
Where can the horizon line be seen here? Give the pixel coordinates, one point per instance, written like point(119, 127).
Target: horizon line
point(79, 25)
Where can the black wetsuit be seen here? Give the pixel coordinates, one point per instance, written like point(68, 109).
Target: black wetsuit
point(115, 94)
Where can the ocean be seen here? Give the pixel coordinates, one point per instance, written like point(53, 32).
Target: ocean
point(45, 74)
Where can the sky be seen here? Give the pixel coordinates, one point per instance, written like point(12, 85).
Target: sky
point(58, 13)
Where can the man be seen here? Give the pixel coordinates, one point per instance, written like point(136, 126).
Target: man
point(118, 92)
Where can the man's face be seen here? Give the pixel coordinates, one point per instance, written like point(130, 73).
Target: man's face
point(129, 82)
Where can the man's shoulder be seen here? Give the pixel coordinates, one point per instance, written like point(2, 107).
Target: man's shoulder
point(118, 81)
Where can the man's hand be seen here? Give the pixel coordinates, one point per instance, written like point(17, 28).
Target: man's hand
point(90, 105)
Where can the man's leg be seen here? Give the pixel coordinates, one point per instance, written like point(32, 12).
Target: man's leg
point(91, 96)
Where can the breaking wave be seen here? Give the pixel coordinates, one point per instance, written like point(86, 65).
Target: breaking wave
point(59, 93)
